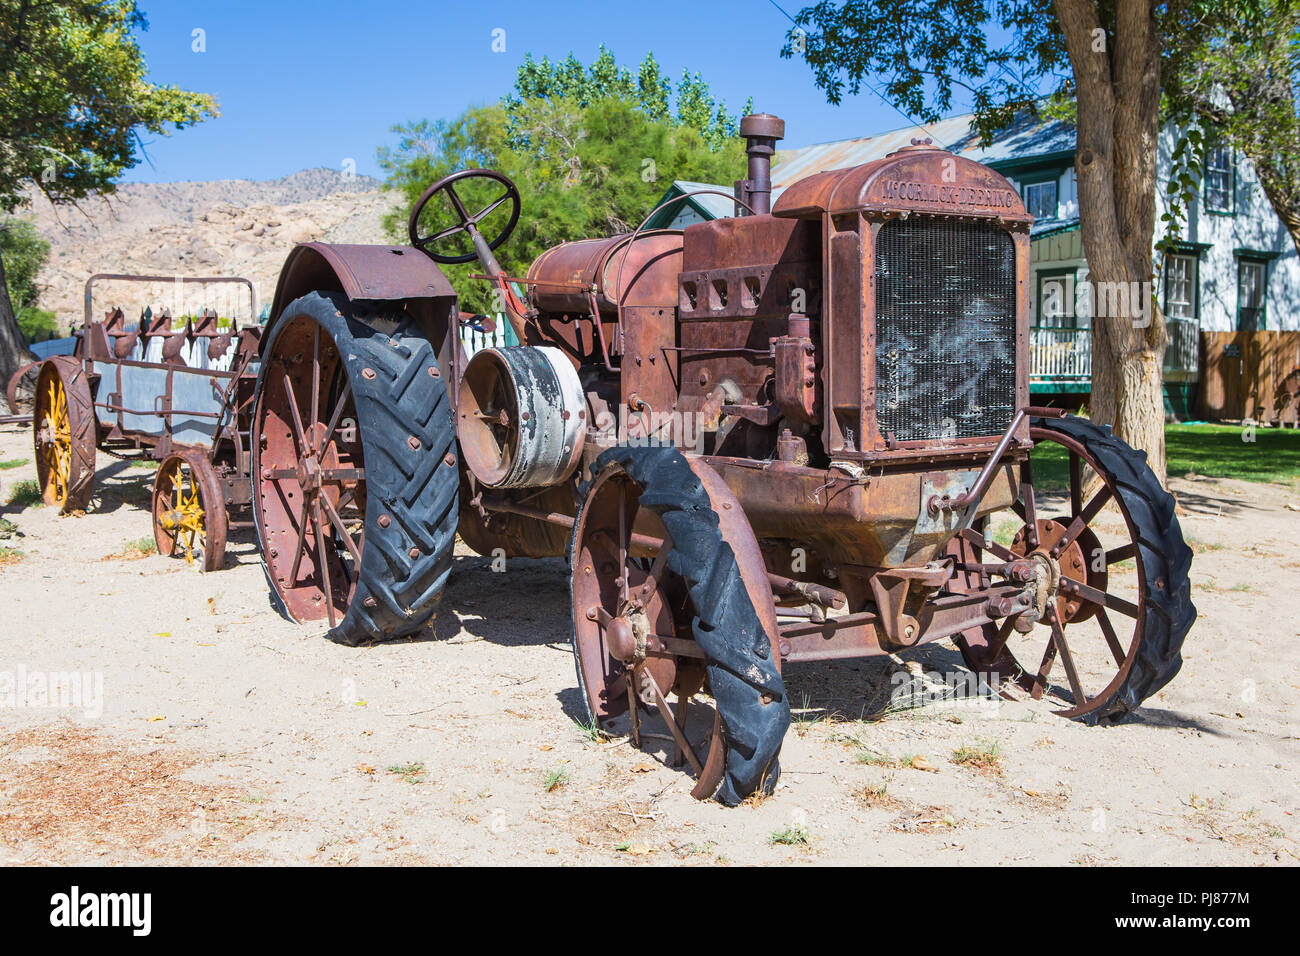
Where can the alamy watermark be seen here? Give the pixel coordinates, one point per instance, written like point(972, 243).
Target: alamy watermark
point(964, 690)
point(67, 690)
point(652, 429)
point(1067, 297)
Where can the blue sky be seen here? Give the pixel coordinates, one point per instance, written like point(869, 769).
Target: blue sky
point(305, 84)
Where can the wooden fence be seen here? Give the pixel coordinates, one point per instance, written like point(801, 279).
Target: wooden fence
point(1253, 375)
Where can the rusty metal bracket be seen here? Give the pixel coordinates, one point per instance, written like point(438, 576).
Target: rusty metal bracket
point(901, 595)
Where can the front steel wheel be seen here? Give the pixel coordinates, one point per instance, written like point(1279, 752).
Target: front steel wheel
point(1114, 568)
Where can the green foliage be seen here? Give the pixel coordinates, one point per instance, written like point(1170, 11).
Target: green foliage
point(1002, 54)
point(1235, 78)
point(24, 251)
point(73, 94)
point(592, 150)
point(24, 494)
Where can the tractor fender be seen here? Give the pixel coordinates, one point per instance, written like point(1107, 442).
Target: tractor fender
point(381, 273)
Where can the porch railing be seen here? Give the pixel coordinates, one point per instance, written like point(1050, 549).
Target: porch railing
point(1061, 355)
point(1065, 355)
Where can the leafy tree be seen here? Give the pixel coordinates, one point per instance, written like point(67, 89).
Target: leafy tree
point(73, 96)
point(1106, 55)
point(24, 251)
point(1239, 81)
point(592, 150)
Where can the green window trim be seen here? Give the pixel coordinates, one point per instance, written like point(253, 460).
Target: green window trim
point(1194, 256)
point(1071, 319)
point(1262, 260)
point(1231, 209)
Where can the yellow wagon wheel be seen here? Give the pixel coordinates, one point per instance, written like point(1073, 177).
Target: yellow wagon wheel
point(189, 510)
point(63, 426)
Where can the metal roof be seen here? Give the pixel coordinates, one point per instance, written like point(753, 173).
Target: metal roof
point(1042, 228)
point(708, 205)
point(1025, 139)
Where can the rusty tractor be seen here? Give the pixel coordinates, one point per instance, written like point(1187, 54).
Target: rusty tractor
point(802, 433)
point(175, 393)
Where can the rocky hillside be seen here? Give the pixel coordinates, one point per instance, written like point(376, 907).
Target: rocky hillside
point(224, 227)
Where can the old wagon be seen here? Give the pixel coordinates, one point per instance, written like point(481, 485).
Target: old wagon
point(174, 390)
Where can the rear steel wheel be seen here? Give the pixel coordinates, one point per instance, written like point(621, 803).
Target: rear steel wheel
point(670, 596)
point(354, 469)
point(1117, 601)
point(189, 511)
point(63, 428)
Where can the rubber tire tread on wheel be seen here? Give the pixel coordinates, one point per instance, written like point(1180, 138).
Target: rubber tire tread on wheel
point(744, 679)
point(1166, 561)
point(416, 487)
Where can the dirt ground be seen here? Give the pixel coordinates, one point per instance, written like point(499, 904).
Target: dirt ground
point(214, 731)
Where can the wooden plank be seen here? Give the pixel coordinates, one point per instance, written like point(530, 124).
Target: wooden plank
point(1249, 375)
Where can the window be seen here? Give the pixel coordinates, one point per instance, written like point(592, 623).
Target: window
point(1056, 300)
point(1040, 199)
point(1220, 179)
point(1252, 294)
point(1180, 287)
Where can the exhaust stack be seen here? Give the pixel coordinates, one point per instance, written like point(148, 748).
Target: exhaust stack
point(761, 131)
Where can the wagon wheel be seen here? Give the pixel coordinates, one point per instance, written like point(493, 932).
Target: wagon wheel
point(20, 392)
point(354, 469)
point(189, 510)
point(1117, 602)
point(670, 596)
point(63, 429)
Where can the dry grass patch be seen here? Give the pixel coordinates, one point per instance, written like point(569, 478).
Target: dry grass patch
point(984, 757)
point(75, 797)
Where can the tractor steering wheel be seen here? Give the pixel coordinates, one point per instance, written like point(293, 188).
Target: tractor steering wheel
point(468, 224)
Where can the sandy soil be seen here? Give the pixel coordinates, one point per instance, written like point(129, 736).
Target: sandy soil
point(227, 734)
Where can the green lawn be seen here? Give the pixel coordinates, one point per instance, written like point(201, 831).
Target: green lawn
point(1216, 451)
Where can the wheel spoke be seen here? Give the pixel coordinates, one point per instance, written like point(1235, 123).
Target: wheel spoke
point(667, 713)
point(1076, 484)
point(622, 539)
point(997, 550)
point(489, 209)
point(1045, 668)
point(301, 436)
point(1071, 672)
point(338, 412)
point(301, 547)
point(1100, 598)
point(340, 527)
point(1031, 508)
point(1081, 521)
point(1122, 553)
point(1108, 629)
point(327, 586)
point(459, 206)
point(656, 569)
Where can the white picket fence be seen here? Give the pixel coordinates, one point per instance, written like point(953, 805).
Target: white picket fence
point(1060, 354)
point(1065, 355)
point(475, 341)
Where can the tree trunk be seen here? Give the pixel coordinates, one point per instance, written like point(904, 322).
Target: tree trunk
point(13, 347)
point(1117, 82)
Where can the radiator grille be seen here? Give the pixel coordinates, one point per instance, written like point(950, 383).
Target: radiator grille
point(945, 329)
